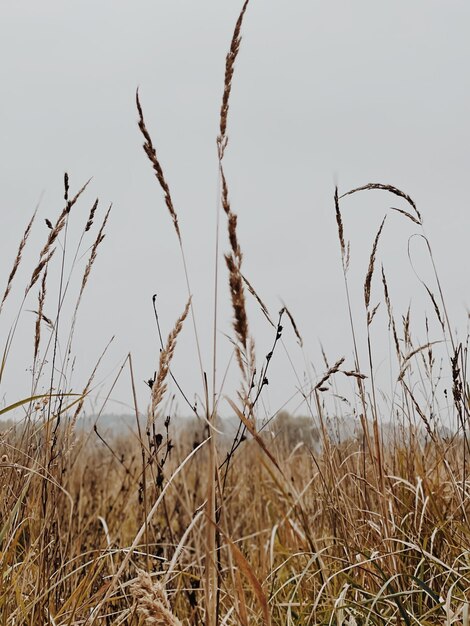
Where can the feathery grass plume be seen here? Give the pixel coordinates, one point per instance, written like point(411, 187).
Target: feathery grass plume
point(66, 187)
point(157, 168)
point(61, 220)
point(159, 385)
point(152, 602)
point(94, 252)
point(234, 262)
point(234, 259)
point(370, 269)
point(352, 374)
point(89, 223)
point(325, 358)
point(371, 314)
point(46, 254)
point(38, 269)
point(294, 325)
point(441, 317)
point(71, 202)
point(332, 370)
point(41, 298)
point(342, 243)
point(17, 260)
point(396, 192)
point(240, 321)
point(406, 327)
point(232, 219)
point(391, 319)
point(54, 232)
point(406, 359)
point(408, 215)
point(264, 308)
point(229, 69)
point(436, 307)
point(457, 387)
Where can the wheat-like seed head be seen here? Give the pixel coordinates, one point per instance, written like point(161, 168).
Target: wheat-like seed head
point(159, 386)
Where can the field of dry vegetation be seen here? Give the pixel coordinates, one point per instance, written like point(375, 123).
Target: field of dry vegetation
point(285, 522)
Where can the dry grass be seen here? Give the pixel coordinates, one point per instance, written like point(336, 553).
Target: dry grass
point(284, 522)
point(311, 539)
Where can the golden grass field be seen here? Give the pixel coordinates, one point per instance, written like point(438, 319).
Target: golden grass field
point(179, 527)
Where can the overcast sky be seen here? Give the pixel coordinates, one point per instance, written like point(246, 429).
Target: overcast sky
point(324, 92)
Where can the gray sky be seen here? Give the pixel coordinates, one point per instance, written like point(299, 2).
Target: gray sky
point(324, 92)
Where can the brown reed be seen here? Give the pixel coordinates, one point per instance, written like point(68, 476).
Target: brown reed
point(240, 321)
point(234, 259)
point(229, 69)
point(234, 263)
point(157, 168)
point(232, 219)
